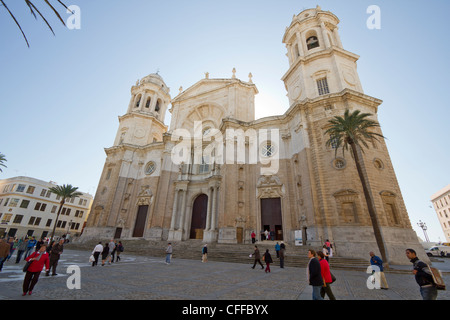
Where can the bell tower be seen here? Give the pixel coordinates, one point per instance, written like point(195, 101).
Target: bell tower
point(144, 121)
point(318, 63)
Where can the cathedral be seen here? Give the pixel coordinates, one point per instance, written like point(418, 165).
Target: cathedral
point(218, 174)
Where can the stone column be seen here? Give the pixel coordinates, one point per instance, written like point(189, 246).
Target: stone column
point(174, 211)
point(326, 41)
point(208, 212)
point(183, 212)
point(213, 209)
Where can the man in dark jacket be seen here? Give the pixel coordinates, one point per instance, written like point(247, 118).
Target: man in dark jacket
point(257, 257)
point(423, 276)
point(55, 253)
point(314, 275)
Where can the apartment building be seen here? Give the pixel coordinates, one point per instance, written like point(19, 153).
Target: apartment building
point(441, 203)
point(28, 208)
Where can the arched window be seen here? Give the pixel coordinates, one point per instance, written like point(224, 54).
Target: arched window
point(147, 105)
point(157, 105)
point(312, 42)
point(138, 101)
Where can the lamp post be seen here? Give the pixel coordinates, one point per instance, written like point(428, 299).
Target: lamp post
point(424, 228)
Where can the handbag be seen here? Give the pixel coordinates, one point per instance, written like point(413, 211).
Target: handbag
point(27, 265)
point(333, 278)
point(91, 258)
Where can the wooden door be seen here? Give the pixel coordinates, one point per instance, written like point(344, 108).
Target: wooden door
point(199, 210)
point(139, 225)
point(271, 216)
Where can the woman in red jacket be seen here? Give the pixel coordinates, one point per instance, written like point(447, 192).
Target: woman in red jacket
point(326, 275)
point(39, 258)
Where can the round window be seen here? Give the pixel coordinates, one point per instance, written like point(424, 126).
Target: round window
point(339, 163)
point(150, 168)
point(268, 149)
point(378, 164)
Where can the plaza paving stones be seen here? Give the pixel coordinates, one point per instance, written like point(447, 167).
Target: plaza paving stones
point(138, 277)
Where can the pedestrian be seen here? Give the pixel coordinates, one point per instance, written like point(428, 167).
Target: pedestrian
point(40, 259)
point(272, 235)
point(21, 249)
point(326, 277)
point(119, 250)
point(325, 252)
point(205, 253)
point(423, 276)
point(112, 251)
point(96, 253)
point(253, 237)
point(277, 250)
point(4, 252)
point(314, 275)
point(55, 253)
point(257, 257)
point(30, 246)
point(282, 254)
point(105, 254)
point(38, 244)
point(14, 246)
point(267, 258)
point(376, 261)
point(169, 252)
point(266, 233)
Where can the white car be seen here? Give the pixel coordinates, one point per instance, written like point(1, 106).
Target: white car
point(438, 251)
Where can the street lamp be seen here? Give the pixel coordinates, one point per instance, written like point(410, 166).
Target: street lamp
point(424, 228)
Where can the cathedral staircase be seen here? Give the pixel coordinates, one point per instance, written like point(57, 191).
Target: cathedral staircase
point(296, 256)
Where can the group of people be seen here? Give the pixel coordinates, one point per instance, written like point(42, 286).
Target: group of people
point(38, 254)
point(109, 252)
point(280, 250)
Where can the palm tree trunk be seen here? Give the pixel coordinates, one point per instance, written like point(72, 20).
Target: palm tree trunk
point(57, 216)
point(371, 207)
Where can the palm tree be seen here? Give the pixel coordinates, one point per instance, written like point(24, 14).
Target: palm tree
point(354, 130)
point(66, 192)
point(33, 11)
point(2, 160)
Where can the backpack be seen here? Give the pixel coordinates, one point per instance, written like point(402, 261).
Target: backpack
point(437, 278)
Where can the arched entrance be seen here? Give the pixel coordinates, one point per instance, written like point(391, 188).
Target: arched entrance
point(199, 210)
point(271, 217)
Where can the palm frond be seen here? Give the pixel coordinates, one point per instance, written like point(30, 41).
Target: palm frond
point(33, 11)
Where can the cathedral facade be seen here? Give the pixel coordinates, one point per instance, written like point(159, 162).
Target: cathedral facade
point(218, 174)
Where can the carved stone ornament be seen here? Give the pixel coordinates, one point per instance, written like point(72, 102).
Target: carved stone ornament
point(145, 196)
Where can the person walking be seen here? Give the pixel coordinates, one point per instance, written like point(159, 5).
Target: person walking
point(105, 254)
point(376, 261)
point(314, 275)
point(30, 246)
point(119, 250)
point(257, 257)
point(423, 276)
point(14, 246)
point(21, 249)
point(55, 253)
point(267, 258)
point(4, 252)
point(112, 251)
point(282, 254)
point(169, 251)
point(205, 253)
point(40, 259)
point(96, 253)
point(326, 277)
point(326, 253)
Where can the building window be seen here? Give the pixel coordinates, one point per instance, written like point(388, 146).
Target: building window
point(204, 167)
point(150, 168)
point(18, 218)
point(20, 188)
point(25, 204)
point(322, 86)
point(30, 189)
point(312, 42)
point(339, 163)
point(268, 149)
point(147, 105)
point(14, 202)
point(40, 206)
point(49, 223)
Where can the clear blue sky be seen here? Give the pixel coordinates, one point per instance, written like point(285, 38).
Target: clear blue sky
point(60, 98)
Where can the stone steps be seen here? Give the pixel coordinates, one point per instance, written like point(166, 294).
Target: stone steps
point(296, 256)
